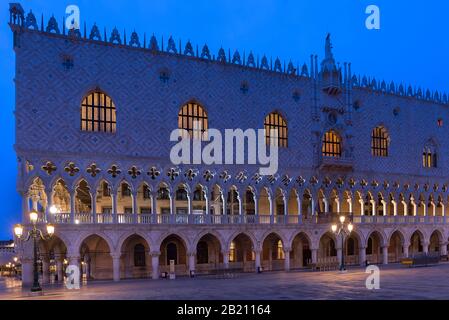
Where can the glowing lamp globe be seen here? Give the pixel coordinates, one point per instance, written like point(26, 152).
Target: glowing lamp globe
point(18, 231)
point(50, 230)
point(33, 216)
point(350, 227)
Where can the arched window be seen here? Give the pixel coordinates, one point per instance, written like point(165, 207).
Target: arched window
point(379, 142)
point(193, 118)
point(331, 144)
point(429, 156)
point(274, 121)
point(139, 255)
point(98, 113)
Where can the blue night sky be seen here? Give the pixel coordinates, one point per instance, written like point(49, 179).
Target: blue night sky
point(412, 45)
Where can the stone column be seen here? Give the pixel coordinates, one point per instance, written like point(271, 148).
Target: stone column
point(190, 204)
point(257, 260)
point(405, 250)
point(94, 207)
point(425, 247)
point(338, 205)
point(362, 256)
point(192, 258)
point(314, 255)
point(116, 267)
point(48, 192)
point(362, 207)
point(256, 206)
point(443, 248)
point(287, 259)
point(135, 208)
point(172, 203)
point(114, 207)
point(155, 264)
point(153, 198)
point(285, 200)
point(374, 205)
point(72, 206)
point(384, 206)
point(226, 259)
point(326, 205)
point(385, 255)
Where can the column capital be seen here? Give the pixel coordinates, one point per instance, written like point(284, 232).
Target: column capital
point(191, 253)
point(154, 254)
point(116, 256)
point(287, 249)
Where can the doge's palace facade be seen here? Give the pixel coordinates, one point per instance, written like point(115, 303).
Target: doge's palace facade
point(94, 113)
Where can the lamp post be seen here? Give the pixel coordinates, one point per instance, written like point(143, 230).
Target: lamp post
point(35, 234)
point(343, 230)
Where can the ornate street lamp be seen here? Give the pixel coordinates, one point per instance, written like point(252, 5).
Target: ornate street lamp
point(343, 230)
point(35, 234)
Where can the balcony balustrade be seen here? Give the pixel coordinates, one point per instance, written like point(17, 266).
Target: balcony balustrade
point(204, 219)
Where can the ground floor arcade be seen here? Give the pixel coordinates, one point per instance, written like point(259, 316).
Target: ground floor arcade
point(123, 252)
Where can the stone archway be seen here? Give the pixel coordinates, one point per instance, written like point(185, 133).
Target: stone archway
point(327, 251)
point(209, 257)
point(242, 254)
point(135, 261)
point(396, 247)
point(53, 257)
point(416, 244)
point(173, 248)
point(301, 254)
point(96, 259)
point(374, 248)
point(273, 255)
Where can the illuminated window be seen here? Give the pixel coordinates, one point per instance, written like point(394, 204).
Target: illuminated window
point(193, 118)
point(232, 253)
point(274, 121)
point(332, 145)
point(280, 250)
point(98, 113)
point(429, 157)
point(379, 142)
